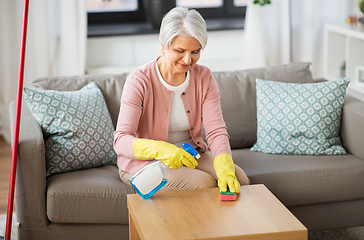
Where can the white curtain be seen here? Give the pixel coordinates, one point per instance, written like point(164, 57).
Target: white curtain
point(267, 34)
point(56, 45)
point(291, 23)
point(308, 21)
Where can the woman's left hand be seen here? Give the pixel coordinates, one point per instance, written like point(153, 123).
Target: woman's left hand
point(225, 171)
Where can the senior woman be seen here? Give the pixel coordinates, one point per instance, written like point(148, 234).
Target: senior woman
point(164, 103)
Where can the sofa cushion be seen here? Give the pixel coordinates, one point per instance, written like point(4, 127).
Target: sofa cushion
point(300, 118)
point(238, 97)
point(88, 196)
point(111, 86)
point(77, 128)
point(298, 180)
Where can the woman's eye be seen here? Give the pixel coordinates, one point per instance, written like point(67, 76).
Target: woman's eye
point(196, 52)
point(179, 51)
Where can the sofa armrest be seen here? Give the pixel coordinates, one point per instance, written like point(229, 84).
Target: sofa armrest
point(352, 126)
point(30, 184)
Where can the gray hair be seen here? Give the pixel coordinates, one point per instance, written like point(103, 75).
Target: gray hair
point(181, 21)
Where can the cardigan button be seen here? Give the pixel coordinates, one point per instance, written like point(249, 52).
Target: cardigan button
point(183, 93)
point(198, 142)
point(191, 129)
point(188, 111)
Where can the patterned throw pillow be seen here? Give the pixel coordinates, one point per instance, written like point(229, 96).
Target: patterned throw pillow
point(299, 119)
point(77, 128)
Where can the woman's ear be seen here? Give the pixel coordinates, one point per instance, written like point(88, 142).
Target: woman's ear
point(162, 49)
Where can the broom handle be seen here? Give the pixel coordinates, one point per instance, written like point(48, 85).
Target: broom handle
point(14, 156)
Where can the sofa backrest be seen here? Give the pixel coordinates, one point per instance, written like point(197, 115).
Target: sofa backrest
point(238, 99)
point(237, 90)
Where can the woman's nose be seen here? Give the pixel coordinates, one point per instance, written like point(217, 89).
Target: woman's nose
point(187, 58)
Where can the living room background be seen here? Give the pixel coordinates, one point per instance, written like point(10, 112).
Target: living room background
point(57, 42)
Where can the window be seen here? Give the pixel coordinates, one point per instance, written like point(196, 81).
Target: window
point(199, 3)
point(114, 11)
point(94, 6)
point(131, 12)
point(240, 3)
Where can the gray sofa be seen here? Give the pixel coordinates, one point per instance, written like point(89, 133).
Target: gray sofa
point(323, 192)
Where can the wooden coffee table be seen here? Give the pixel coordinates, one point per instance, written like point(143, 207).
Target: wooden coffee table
point(199, 214)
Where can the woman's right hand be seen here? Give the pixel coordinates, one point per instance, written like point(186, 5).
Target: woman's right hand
point(169, 154)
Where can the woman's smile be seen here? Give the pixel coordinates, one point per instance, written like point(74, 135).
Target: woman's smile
point(183, 65)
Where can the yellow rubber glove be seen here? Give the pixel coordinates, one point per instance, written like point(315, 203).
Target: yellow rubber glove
point(225, 171)
point(169, 154)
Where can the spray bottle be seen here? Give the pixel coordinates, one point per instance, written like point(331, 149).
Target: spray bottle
point(154, 176)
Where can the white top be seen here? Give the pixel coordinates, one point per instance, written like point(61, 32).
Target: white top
point(178, 121)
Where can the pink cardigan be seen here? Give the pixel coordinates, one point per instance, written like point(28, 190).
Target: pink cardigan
point(146, 107)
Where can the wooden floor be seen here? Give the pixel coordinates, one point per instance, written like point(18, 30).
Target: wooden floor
point(5, 164)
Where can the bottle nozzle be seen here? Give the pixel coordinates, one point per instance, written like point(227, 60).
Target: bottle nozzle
point(191, 150)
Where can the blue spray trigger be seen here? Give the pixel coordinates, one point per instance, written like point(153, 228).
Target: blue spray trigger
point(191, 150)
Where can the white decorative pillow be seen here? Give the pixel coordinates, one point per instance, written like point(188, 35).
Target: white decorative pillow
point(300, 119)
point(77, 128)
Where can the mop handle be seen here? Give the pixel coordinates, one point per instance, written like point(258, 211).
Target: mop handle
point(14, 156)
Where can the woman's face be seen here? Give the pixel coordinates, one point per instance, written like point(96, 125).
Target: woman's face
point(182, 55)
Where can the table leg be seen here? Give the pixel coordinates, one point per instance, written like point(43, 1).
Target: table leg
point(133, 232)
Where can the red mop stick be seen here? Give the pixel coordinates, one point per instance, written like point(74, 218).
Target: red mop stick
point(14, 156)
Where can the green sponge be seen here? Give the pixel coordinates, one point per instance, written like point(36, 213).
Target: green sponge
point(227, 196)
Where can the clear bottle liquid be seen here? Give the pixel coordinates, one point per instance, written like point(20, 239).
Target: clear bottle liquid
point(152, 177)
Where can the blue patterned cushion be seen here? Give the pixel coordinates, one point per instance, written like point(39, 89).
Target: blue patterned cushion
point(300, 119)
point(77, 128)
